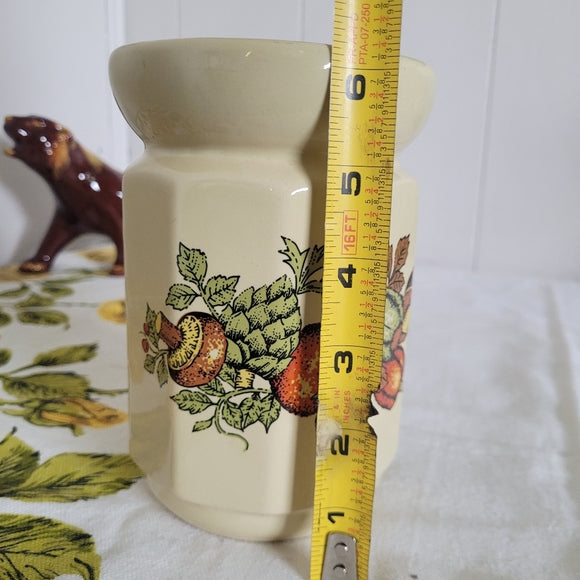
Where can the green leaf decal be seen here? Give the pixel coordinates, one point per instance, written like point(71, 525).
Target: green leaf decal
point(5, 356)
point(151, 326)
point(180, 296)
point(225, 315)
point(192, 264)
point(260, 295)
point(47, 386)
point(285, 347)
point(244, 301)
point(36, 301)
point(281, 366)
point(393, 313)
point(387, 351)
point(35, 548)
point(256, 342)
point(150, 362)
point(251, 409)
point(19, 412)
point(16, 293)
point(66, 355)
point(56, 290)
point(233, 415)
point(313, 266)
point(202, 425)
point(78, 274)
point(265, 366)
point(36, 418)
point(71, 477)
point(281, 287)
point(237, 327)
point(228, 374)
point(292, 323)
point(192, 401)
point(162, 370)
point(213, 389)
point(316, 259)
point(283, 306)
point(245, 350)
point(270, 411)
point(258, 316)
point(233, 353)
point(4, 318)
point(220, 290)
point(311, 286)
point(261, 325)
point(17, 462)
point(305, 264)
point(294, 257)
point(276, 330)
point(43, 317)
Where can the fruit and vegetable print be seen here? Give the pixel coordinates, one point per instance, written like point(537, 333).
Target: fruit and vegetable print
point(228, 335)
point(397, 313)
point(58, 399)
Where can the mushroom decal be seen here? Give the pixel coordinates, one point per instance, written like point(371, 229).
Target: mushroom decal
point(197, 347)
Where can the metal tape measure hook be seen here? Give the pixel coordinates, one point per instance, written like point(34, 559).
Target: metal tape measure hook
point(340, 558)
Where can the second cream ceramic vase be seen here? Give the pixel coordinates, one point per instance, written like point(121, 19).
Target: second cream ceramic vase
point(224, 230)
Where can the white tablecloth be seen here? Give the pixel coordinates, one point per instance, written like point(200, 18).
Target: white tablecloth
point(485, 486)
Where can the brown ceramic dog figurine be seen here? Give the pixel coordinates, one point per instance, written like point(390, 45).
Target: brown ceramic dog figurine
point(88, 191)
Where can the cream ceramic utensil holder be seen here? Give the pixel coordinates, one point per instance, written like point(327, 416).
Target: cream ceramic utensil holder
point(223, 231)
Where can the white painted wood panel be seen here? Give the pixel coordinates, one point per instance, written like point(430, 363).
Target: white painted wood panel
point(53, 63)
point(277, 19)
point(318, 20)
point(531, 202)
point(151, 20)
point(455, 38)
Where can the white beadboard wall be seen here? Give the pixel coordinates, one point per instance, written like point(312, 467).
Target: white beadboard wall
point(498, 162)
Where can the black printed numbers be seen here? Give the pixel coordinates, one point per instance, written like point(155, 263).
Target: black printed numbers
point(351, 183)
point(339, 445)
point(355, 87)
point(345, 276)
point(343, 360)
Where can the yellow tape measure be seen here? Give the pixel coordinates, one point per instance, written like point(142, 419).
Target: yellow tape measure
point(363, 104)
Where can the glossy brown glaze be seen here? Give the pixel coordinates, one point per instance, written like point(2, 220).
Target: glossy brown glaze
point(88, 191)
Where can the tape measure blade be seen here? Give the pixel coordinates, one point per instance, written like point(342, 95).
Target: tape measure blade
point(363, 99)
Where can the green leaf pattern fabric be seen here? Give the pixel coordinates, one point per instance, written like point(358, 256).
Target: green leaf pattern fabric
point(54, 405)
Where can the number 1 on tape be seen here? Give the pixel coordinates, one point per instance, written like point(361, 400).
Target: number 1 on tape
point(363, 104)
